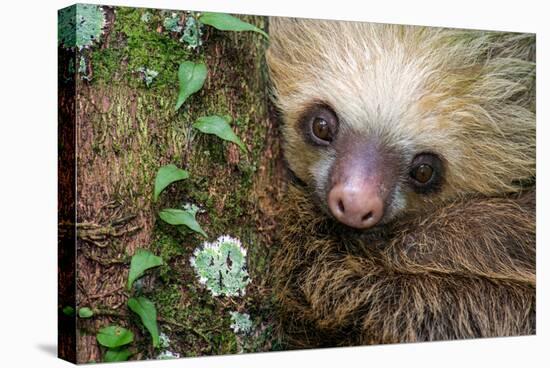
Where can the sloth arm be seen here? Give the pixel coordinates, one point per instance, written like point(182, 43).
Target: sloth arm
point(492, 238)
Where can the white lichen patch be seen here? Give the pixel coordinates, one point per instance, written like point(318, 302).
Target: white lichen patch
point(148, 75)
point(192, 34)
point(171, 23)
point(164, 341)
point(191, 207)
point(241, 322)
point(221, 266)
point(80, 25)
point(146, 17)
point(167, 354)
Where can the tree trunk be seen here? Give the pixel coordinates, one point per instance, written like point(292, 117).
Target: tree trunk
point(125, 131)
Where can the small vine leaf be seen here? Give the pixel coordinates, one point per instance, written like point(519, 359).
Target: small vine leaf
point(117, 355)
point(145, 308)
point(114, 336)
point(219, 126)
point(68, 311)
point(141, 262)
point(174, 216)
point(166, 176)
point(85, 312)
point(226, 22)
point(191, 78)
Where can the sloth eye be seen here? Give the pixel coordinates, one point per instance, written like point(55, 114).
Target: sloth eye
point(321, 129)
point(321, 125)
point(426, 173)
point(423, 173)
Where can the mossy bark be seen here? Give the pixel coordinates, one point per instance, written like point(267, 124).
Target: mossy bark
point(125, 132)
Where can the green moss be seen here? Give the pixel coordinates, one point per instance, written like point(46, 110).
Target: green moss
point(165, 244)
point(226, 343)
point(138, 45)
point(208, 330)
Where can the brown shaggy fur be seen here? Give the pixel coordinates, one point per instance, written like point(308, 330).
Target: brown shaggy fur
point(465, 270)
point(459, 263)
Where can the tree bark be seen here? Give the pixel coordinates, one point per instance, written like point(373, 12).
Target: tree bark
point(125, 131)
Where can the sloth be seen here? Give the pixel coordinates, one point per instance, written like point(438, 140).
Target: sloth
point(410, 209)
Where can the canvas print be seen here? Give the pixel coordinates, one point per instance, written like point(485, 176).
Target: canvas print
point(241, 183)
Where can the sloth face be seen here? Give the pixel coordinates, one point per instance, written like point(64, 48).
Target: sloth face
point(362, 180)
point(382, 121)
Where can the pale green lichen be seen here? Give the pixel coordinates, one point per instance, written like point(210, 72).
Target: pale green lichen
point(192, 33)
point(171, 23)
point(146, 17)
point(164, 341)
point(167, 354)
point(82, 65)
point(83, 68)
point(192, 208)
point(221, 266)
point(241, 322)
point(148, 75)
point(80, 25)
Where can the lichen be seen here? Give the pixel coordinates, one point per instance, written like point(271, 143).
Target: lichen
point(167, 354)
point(192, 34)
point(146, 17)
point(80, 25)
point(164, 341)
point(148, 75)
point(164, 345)
point(171, 23)
point(241, 322)
point(221, 266)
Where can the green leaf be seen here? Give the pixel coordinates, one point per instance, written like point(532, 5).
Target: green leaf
point(85, 312)
point(226, 22)
point(144, 308)
point(191, 77)
point(219, 126)
point(166, 176)
point(114, 336)
point(117, 355)
point(68, 311)
point(141, 261)
point(182, 217)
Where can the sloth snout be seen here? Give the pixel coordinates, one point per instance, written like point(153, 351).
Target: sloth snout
point(358, 206)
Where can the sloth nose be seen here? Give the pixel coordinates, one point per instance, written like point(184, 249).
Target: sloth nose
point(358, 206)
